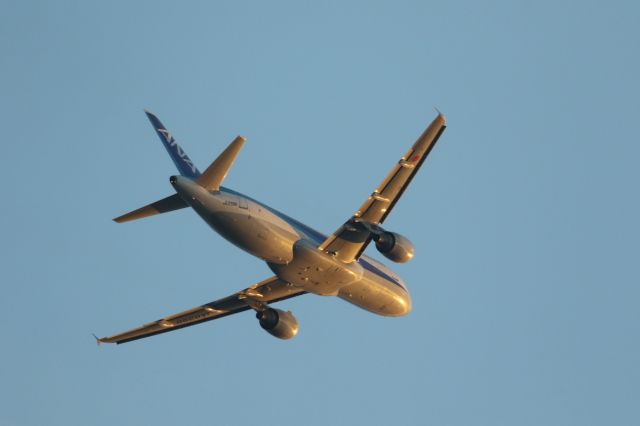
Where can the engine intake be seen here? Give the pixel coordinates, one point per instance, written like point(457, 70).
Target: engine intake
point(278, 323)
point(394, 246)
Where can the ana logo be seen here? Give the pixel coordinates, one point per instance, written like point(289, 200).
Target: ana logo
point(167, 136)
point(172, 142)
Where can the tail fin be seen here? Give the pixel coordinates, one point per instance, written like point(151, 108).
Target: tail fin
point(180, 158)
point(211, 179)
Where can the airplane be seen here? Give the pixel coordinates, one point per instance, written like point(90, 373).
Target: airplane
point(303, 261)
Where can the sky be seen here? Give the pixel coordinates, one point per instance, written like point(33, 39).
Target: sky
point(524, 217)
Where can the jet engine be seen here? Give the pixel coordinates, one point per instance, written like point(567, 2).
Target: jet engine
point(280, 324)
point(394, 246)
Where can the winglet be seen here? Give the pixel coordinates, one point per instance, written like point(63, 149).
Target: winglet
point(98, 341)
point(213, 177)
point(444, 119)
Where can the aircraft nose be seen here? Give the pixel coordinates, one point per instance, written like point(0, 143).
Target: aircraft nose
point(407, 305)
point(402, 306)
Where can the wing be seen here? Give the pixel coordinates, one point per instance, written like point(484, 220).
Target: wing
point(268, 291)
point(350, 240)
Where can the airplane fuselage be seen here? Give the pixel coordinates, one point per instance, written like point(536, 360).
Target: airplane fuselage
point(290, 249)
point(302, 259)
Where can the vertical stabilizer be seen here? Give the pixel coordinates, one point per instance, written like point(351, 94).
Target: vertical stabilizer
point(180, 158)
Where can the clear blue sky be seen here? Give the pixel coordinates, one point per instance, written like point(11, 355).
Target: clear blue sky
point(525, 217)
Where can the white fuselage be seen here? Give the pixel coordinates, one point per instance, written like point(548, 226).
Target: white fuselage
point(290, 249)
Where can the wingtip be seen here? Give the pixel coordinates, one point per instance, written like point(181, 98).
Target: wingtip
point(441, 115)
point(98, 340)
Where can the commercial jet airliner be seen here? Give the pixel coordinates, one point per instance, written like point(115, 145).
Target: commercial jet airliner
point(302, 260)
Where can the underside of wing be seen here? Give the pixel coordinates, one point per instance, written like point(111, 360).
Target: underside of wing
point(268, 291)
point(351, 239)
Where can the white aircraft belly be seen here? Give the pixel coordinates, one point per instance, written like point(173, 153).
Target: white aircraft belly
point(316, 271)
point(378, 295)
point(296, 260)
point(254, 230)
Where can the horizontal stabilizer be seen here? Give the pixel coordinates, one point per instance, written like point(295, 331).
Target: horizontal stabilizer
point(212, 178)
point(171, 203)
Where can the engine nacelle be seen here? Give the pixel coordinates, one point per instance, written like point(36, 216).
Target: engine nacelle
point(394, 247)
point(278, 323)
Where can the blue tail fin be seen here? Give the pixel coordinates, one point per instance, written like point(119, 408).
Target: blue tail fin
point(180, 158)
